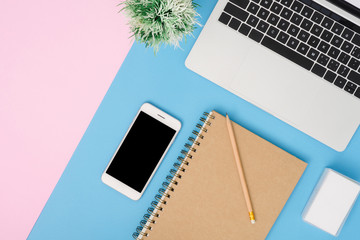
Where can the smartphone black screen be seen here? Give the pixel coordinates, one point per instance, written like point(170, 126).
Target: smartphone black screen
point(141, 151)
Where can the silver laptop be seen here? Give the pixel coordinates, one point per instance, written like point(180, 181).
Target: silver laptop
point(296, 59)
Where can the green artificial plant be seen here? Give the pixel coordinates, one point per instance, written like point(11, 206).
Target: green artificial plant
point(157, 22)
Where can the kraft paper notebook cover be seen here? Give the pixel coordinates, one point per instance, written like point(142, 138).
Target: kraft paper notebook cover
point(202, 197)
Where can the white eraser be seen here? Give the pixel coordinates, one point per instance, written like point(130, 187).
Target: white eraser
point(331, 201)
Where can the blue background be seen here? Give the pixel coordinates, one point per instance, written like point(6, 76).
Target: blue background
point(82, 207)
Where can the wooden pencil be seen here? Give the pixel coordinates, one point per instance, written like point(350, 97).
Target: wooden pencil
point(240, 169)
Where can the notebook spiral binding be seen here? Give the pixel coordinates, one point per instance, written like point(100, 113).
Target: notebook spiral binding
point(172, 180)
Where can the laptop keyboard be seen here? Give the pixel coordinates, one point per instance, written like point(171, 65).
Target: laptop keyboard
point(303, 32)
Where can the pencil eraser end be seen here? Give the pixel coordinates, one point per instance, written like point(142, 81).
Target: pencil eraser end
point(253, 221)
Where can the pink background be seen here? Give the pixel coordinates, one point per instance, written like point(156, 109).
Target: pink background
point(57, 60)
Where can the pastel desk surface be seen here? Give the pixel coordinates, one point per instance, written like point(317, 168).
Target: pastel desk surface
point(82, 207)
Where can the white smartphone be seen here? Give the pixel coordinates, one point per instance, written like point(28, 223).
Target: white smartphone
point(141, 151)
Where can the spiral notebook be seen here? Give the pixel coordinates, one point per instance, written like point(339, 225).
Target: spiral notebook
point(202, 196)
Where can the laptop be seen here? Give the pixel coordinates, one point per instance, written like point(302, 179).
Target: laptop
point(296, 59)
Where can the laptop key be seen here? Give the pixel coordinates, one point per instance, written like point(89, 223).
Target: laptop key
point(293, 30)
point(293, 43)
point(357, 93)
point(354, 77)
point(307, 12)
point(334, 52)
point(241, 3)
point(303, 36)
point(340, 82)
point(303, 48)
point(344, 58)
point(287, 53)
point(356, 52)
point(326, 35)
point(253, 8)
point(333, 65)
point(336, 41)
point(282, 37)
point(224, 18)
point(356, 40)
point(316, 30)
point(283, 25)
point(330, 76)
point(323, 60)
point(350, 87)
point(263, 13)
point(287, 2)
point(252, 20)
point(337, 28)
point(296, 19)
point(343, 70)
point(297, 6)
point(236, 12)
point(347, 34)
point(306, 24)
point(276, 8)
point(327, 23)
point(244, 29)
point(273, 19)
point(347, 47)
point(256, 35)
point(234, 23)
point(354, 64)
point(286, 13)
point(317, 17)
point(318, 70)
point(313, 54)
point(313, 41)
point(266, 3)
point(273, 32)
point(323, 47)
point(262, 26)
